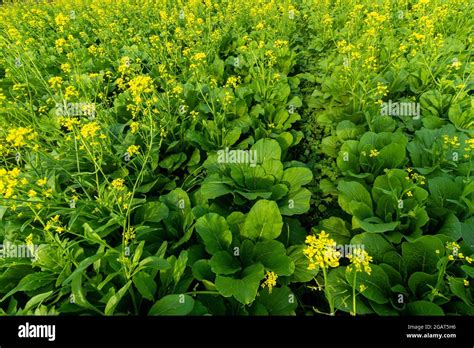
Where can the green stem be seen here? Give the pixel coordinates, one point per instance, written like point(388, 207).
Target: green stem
point(354, 312)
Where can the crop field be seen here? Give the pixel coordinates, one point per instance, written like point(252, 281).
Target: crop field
point(237, 158)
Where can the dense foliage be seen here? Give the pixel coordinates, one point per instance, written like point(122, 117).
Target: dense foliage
point(221, 157)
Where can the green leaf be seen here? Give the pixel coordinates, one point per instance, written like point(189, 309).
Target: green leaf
point(466, 230)
point(145, 285)
point(341, 292)
point(78, 293)
point(419, 281)
point(423, 308)
point(301, 274)
point(351, 191)
point(202, 270)
point(244, 289)
point(451, 227)
point(375, 245)
point(377, 227)
point(297, 176)
point(173, 305)
point(280, 301)
point(272, 254)
point(296, 203)
point(224, 263)
point(420, 255)
point(264, 221)
point(460, 290)
point(469, 270)
point(267, 149)
point(83, 266)
point(337, 229)
point(31, 282)
point(152, 212)
point(377, 284)
point(115, 299)
point(214, 231)
point(36, 300)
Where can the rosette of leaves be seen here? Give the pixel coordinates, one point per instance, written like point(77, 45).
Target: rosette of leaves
point(269, 178)
point(240, 248)
point(368, 157)
point(387, 209)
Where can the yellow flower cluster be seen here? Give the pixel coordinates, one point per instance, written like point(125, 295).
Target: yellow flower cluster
point(360, 260)
point(9, 180)
point(90, 130)
point(118, 184)
point(270, 281)
point(374, 153)
point(18, 137)
point(133, 149)
point(54, 224)
point(140, 84)
point(68, 122)
point(454, 141)
point(55, 82)
point(453, 249)
point(415, 177)
point(321, 251)
point(129, 235)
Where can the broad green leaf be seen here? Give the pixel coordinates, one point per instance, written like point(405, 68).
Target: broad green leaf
point(224, 263)
point(302, 273)
point(350, 191)
point(145, 285)
point(420, 255)
point(272, 254)
point(173, 305)
point(281, 301)
point(214, 231)
point(152, 212)
point(264, 221)
point(423, 308)
point(377, 284)
point(243, 289)
point(267, 149)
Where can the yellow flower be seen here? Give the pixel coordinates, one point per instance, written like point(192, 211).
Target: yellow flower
point(55, 82)
point(321, 251)
point(451, 257)
point(199, 56)
point(129, 235)
point(66, 67)
point(374, 153)
point(71, 92)
point(61, 19)
point(468, 259)
point(134, 127)
point(118, 184)
point(17, 136)
point(32, 193)
point(360, 259)
point(466, 282)
point(42, 182)
point(133, 149)
point(90, 130)
point(362, 288)
point(409, 194)
point(270, 281)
